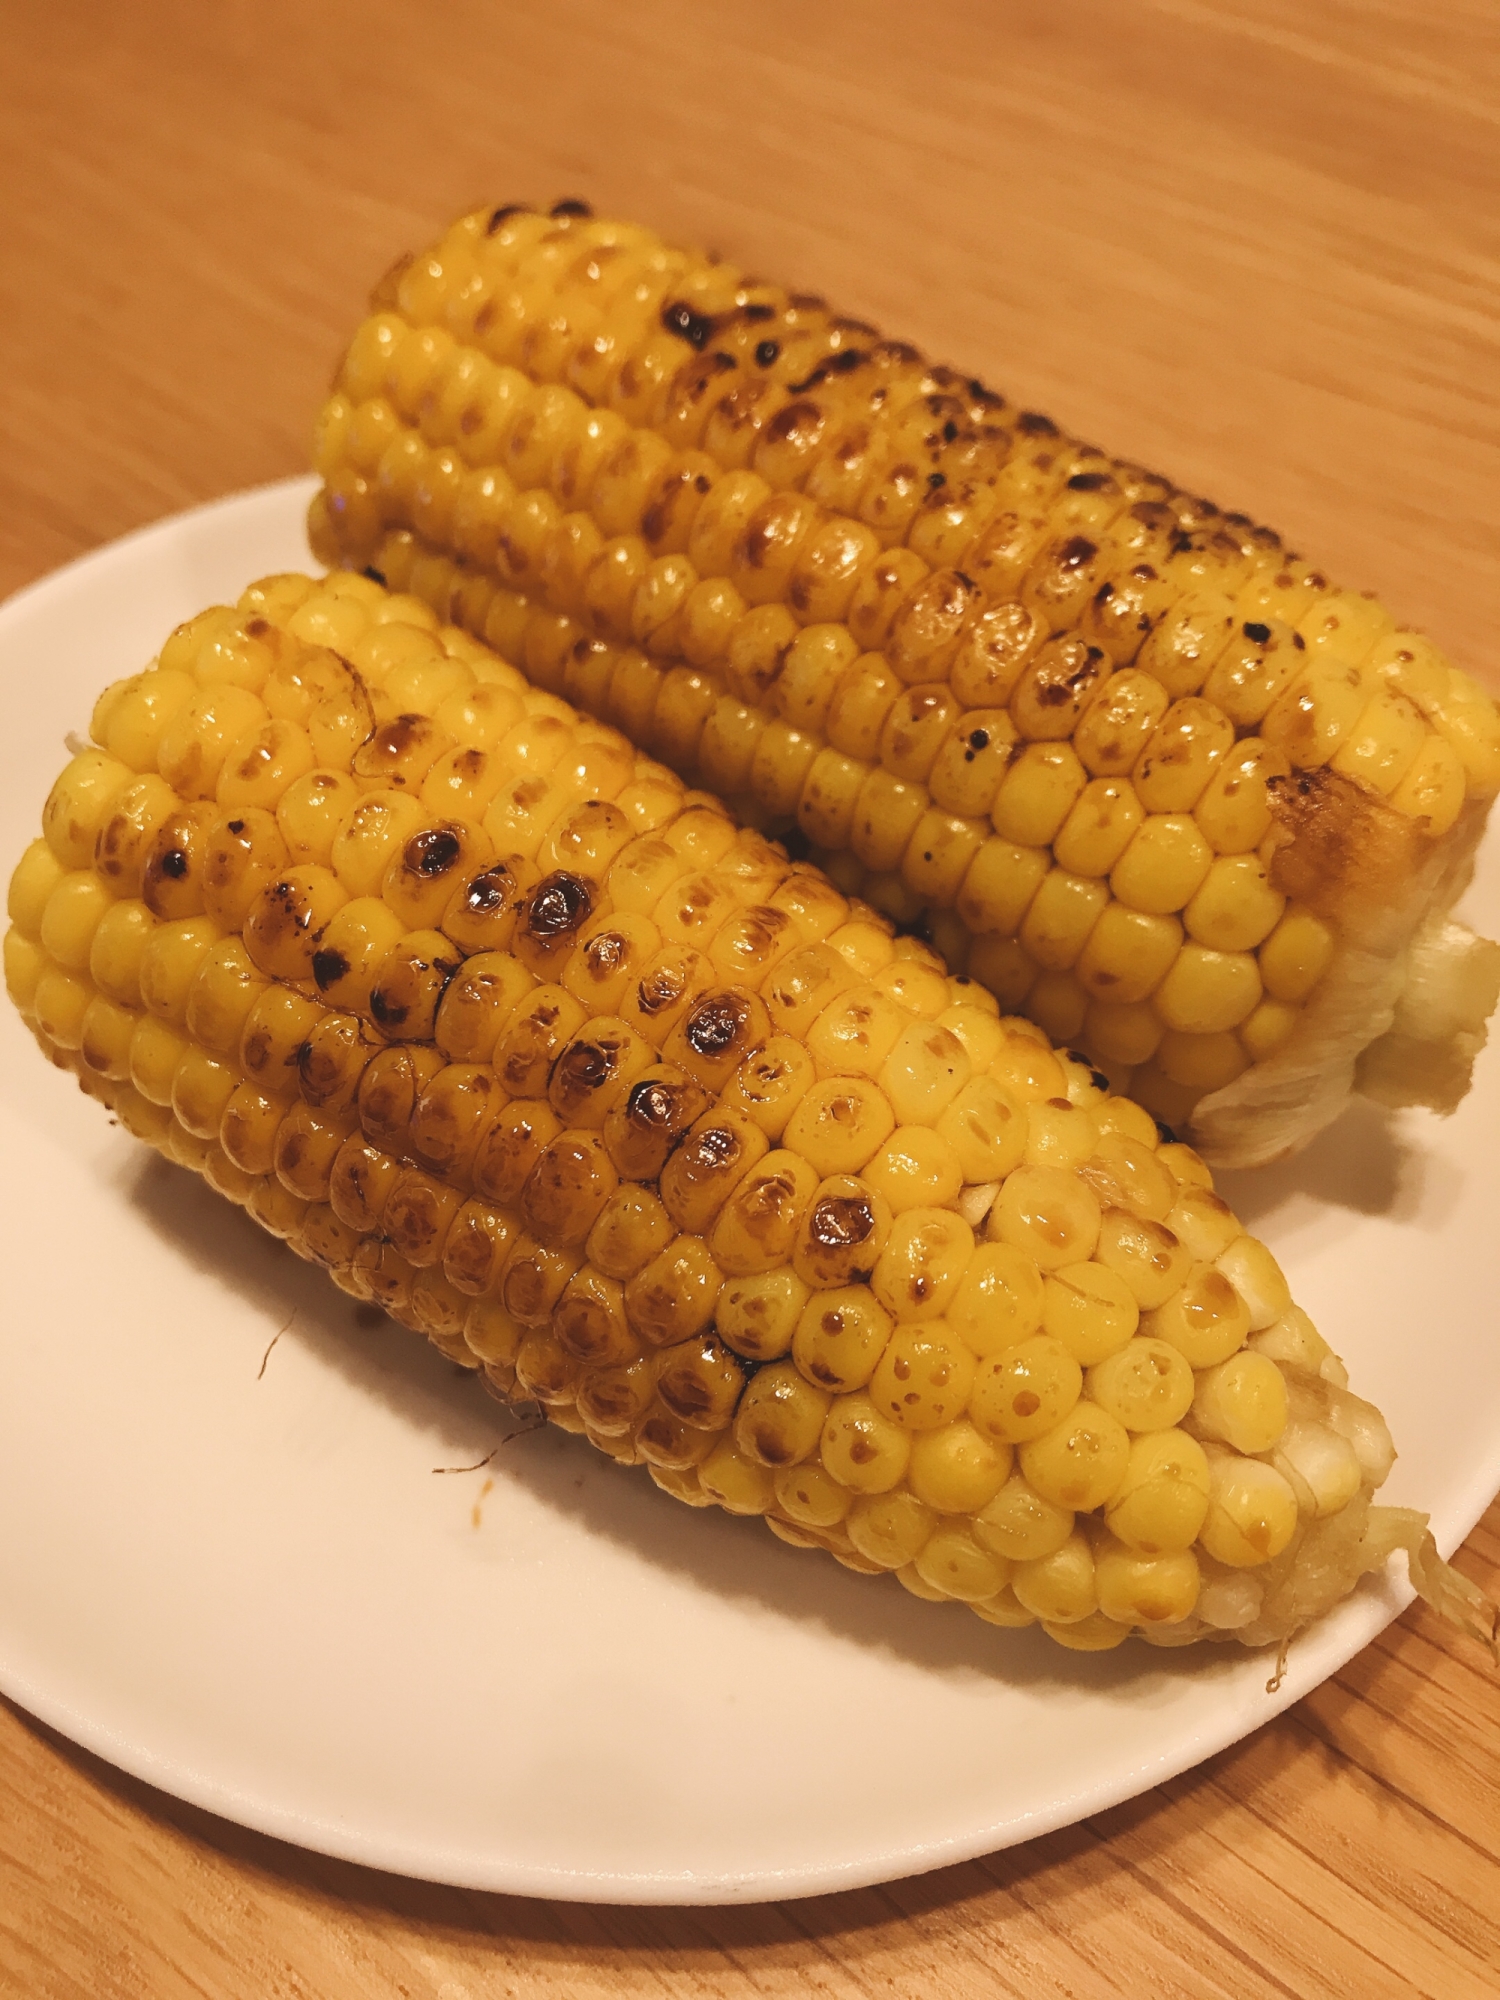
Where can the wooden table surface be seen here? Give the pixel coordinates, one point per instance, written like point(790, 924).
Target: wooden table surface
point(1254, 243)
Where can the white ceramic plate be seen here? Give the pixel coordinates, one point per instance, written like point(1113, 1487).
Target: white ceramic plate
point(545, 1677)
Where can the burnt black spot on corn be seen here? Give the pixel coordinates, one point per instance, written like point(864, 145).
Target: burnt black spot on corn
point(776, 1211)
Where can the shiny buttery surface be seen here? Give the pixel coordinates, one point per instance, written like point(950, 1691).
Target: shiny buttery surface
point(1298, 319)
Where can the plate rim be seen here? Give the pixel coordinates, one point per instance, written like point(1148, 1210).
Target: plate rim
point(1318, 1655)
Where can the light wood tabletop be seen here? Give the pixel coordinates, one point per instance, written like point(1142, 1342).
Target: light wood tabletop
point(1254, 243)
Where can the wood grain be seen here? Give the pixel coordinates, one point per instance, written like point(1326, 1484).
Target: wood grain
point(1256, 244)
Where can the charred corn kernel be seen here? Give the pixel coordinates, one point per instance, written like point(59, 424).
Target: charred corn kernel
point(1162, 1499)
point(79, 804)
point(780, 1417)
point(841, 1124)
point(644, 1120)
point(1252, 1511)
point(758, 1315)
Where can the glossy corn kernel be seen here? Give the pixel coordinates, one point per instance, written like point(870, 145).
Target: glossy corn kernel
point(612, 1100)
point(1097, 730)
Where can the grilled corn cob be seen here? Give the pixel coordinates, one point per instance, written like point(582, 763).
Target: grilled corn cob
point(471, 1004)
point(1148, 776)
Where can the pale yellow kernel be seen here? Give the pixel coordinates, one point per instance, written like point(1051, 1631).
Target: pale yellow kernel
point(1206, 992)
point(1243, 1401)
point(1081, 1461)
point(1235, 908)
point(1160, 1504)
point(1137, 1589)
point(1059, 1587)
point(999, 1300)
point(1024, 1390)
point(863, 1450)
point(1264, 1031)
point(925, 1259)
point(1020, 1525)
point(1296, 955)
point(1206, 1321)
point(889, 1529)
point(1252, 1510)
point(915, 1168)
point(1164, 865)
point(955, 1470)
point(1433, 788)
point(1049, 1215)
point(1090, 1309)
point(953, 1562)
point(59, 1005)
point(924, 1072)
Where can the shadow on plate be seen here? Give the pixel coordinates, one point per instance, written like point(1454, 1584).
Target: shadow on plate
point(728, 1557)
point(1364, 1164)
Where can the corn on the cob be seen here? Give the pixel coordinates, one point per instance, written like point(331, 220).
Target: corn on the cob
point(1148, 776)
point(473, 1005)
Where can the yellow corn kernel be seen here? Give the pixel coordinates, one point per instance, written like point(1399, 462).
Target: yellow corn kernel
point(1138, 1589)
point(1047, 1214)
point(956, 1564)
point(1243, 1402)
point(1206, 1321)
point(1252, 1511)
point(1058, 1587)
point(1024, 1391)
point(37, 874)
point(1234, 908)
point(840, 1335)
point(811, 1495)
point(863, 1450)
point(780, 1417)
point(1080, 1462)
point(923, 1264)
point(1295, 955)
point(999, 1300)
point(1433, 789)
point(1161, 1502)
point(923, 1378)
